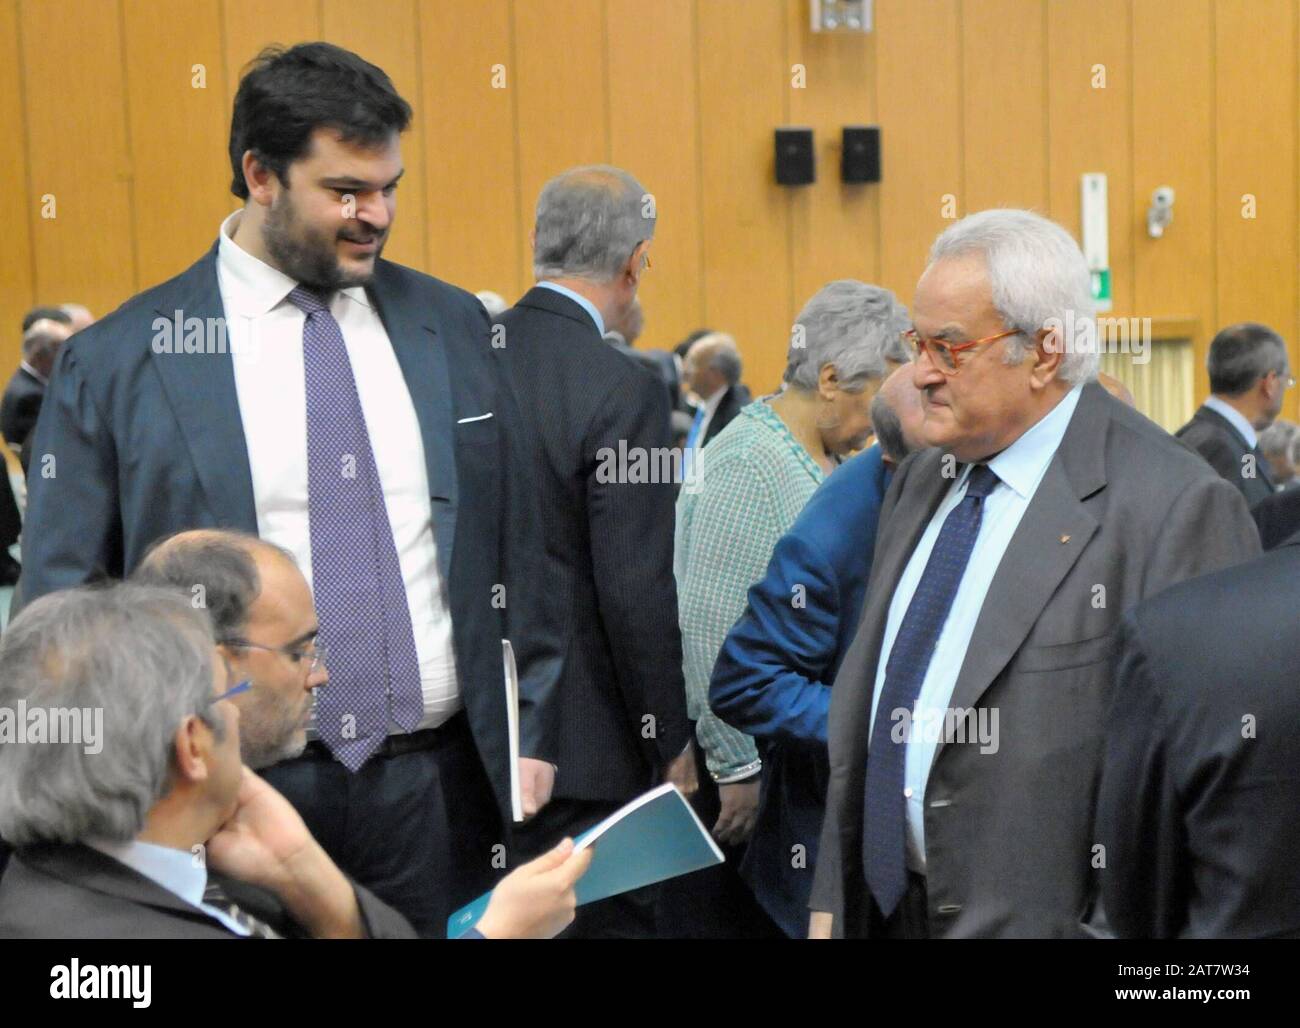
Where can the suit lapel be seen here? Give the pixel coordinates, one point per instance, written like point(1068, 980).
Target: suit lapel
point(413, 331)
point(200, 388)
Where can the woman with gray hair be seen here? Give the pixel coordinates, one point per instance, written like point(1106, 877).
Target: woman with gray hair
point(745, 490)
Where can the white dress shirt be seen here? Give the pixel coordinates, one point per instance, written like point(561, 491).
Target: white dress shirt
point(1020, 469)
point(711, 406)
point(1235, 418)
point(174, 870)
point(265, 330)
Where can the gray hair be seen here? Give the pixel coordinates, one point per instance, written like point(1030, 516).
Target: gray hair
point(1038, 278)
point(589, 221)
point(848, 325)
point(141, 655)
point(1240, 355)
point(1279, 439)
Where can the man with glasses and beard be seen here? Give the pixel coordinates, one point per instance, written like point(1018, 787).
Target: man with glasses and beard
point(295, 386)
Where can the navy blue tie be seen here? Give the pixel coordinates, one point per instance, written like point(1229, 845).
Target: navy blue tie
point(885, 817)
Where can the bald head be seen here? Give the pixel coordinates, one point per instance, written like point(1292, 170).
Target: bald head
point(898, 416)
point(221, 571)
point(712, 363)
point(80, 316)
point(42, 341)
point(265, 623)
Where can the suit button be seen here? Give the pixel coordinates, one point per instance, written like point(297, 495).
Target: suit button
point(949, 908)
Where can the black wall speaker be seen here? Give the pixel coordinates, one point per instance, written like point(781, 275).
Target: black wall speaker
point(860, 160)
point(794, 157)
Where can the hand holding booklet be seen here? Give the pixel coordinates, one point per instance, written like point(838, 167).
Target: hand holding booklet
point(655, 837)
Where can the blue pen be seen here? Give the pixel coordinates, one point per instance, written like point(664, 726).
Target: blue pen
point(234, 690)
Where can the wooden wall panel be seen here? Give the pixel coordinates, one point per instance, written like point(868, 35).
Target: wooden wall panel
point(79, 153)
point(918, 76)
point(562, 106)
point(1255, 94)
point(654, 134)
point(386, 34)
point(469, 131)
point(835, 228)
point(744, 83)
point(178, 123)
point(1091, 124)
point(1004, 104)
point(991, 101)
point(1173, 136)
point(17, 290)
point(249, 25)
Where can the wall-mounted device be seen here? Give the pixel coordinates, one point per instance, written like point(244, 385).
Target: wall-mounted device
point(794, 157)
point(860, 154)
point(1161, 212)
point(841, 15)
point(1096, 236)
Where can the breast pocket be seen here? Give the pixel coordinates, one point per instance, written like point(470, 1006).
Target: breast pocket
point(1062, 656)
point(476, 431)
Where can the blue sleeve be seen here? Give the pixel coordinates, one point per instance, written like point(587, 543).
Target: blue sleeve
point(767, 679)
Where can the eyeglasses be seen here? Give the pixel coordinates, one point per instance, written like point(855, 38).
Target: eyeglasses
point(317, 653)
point(944, 355)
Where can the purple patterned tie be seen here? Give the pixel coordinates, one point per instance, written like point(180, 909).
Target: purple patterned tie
point(360, 595)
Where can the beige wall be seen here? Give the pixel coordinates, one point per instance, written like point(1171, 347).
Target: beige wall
point(989, 101)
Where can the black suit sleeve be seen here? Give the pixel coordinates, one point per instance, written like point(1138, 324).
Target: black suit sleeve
point(74, 531)
point(1144, 882)
point(631, 531)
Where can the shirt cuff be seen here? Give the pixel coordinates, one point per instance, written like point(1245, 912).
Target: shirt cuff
point(740, 774)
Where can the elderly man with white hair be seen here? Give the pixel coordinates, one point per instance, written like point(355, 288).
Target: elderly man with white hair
point(966, 719)
point(747, 489)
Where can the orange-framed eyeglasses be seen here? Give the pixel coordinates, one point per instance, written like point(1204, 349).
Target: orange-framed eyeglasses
point(944, 355)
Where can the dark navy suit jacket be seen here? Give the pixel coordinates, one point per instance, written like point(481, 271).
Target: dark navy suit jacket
point(772, 676)
point(134, 444)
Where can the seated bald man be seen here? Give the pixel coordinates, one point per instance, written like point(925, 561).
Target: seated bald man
point(265, 626)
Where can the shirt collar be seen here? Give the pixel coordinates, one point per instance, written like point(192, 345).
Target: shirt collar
point(250, 286)
point(174, 870)
point(1235, 418)
point(1022, 464)
point(580, 300)
point(712, 404)
point(34, 373)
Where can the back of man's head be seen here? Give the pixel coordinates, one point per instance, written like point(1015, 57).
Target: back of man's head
point(589, 222)
point(41, 343)
point(1240, 355)
point(46, 314)
point(114, 671)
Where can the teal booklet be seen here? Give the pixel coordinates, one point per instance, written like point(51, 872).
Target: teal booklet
point(655, 837)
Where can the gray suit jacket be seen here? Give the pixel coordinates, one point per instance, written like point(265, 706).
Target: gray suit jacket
point(1009, 834)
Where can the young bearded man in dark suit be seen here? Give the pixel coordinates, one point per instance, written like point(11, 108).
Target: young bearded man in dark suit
point(295, 385)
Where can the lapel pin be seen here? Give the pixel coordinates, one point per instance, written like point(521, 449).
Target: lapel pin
point(1065, 539)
